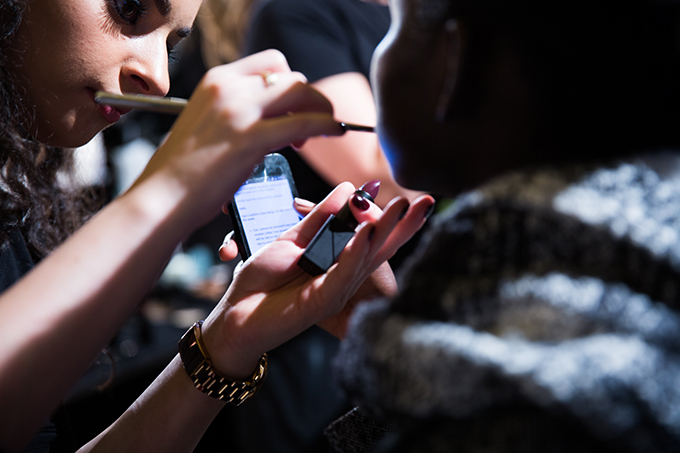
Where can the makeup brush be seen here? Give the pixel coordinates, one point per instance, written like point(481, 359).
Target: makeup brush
point(174, 105)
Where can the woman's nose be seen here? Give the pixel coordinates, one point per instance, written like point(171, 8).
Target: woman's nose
point(147, 71)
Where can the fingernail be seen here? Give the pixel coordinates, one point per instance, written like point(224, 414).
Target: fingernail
point(371, 188)
point(403, 213)
point(227, 238)
point(360, 202)
point(429, 212)
point(371, 233)
point(303, 203)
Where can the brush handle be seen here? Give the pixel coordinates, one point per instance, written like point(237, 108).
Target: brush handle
point(173, 105)
point(142, 102)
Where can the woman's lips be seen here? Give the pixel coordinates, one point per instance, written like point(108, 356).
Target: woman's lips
point(110, 114)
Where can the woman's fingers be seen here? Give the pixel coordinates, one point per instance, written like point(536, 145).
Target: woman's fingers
point(228, 250)
point(235, 116)
point(375, 242)
point(387, 223)
point(409, 225)
point(381, 283)
point(292, 93)
point(354, 265)
point(304, 231)
point(389, 229)
point(243, 97)
point(302, 206)
point(285, 90)
point(343, 279)
point(277, 90)
point(266, 62)
point(275, 133)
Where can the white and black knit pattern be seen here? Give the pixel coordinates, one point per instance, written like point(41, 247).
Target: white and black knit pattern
point(548, 293)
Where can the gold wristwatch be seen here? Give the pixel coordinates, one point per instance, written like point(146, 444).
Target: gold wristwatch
point(200, 369)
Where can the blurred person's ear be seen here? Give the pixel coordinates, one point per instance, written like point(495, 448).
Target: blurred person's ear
point(451, 72)
point(454, 107)
point(467, 60)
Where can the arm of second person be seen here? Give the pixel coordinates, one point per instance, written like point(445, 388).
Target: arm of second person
point(355, 157)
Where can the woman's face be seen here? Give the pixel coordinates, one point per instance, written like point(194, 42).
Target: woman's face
point(69, 49)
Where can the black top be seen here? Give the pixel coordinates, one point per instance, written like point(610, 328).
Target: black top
point(15, 260)
point(320, 38)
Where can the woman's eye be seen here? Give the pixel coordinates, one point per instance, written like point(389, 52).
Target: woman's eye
point(129, 11)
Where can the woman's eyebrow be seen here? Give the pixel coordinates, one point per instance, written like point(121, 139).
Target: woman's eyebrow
point(163, 6)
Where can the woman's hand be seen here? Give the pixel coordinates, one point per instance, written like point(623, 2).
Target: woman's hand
point(235, 116)
point(272, 300)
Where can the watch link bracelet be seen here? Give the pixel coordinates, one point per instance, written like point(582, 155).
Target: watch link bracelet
point(206, 379)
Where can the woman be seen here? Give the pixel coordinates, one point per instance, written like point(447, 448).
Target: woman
point(542, 313)
point(55, 55)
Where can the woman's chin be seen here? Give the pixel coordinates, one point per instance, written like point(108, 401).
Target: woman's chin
point(67, 137)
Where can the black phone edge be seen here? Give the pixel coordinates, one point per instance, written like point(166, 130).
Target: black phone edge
point(239, 233)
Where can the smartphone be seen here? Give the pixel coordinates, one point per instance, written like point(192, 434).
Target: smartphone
point(262, 208)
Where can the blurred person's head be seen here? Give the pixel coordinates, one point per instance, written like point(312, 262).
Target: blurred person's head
point(468, 89)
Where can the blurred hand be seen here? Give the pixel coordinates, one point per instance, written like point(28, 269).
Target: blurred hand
point(235, 116)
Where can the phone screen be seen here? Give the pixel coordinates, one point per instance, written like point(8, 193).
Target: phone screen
point(266, 210)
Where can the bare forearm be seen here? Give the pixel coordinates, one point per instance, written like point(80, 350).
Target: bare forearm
point(356, 156)
point(350, 159)
point(170, 416)
point(56, 319)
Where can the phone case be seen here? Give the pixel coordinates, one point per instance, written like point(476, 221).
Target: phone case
point(274, 166)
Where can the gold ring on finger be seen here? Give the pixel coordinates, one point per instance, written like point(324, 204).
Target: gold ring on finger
point(270, 78)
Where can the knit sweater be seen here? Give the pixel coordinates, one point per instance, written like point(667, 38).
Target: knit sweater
point(540, 314)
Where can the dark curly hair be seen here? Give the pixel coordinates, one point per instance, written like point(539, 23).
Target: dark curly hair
point(30, 198)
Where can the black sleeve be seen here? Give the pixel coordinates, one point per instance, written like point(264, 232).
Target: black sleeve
point(15, 260)
point(319, 37)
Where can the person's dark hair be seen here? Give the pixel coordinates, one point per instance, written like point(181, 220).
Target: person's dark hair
point(30, 198)
point(607, 69)
point(603, 69)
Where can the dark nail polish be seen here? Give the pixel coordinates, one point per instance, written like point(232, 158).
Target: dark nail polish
point(371, 188)
point(429, 212)
point(330, 240)
point(371, 234)
point(360, 202)
point(403, 213)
